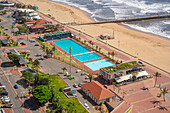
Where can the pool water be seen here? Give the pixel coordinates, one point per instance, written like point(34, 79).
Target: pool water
point(96, 65)
point(75, 47)
point(87, 57)
point(83, 54)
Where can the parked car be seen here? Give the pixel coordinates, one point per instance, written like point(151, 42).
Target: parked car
point(4, 97)
point(22, 43)
point(86, 77)
point(1, 84)
point(15, 86)
point(75, 85)
point(4, 93)
point(83, 73)
point(36, 45)
point(22, 33)
point(2, 110)
point(31, 40)
point(79, 84)
point(75, 95)
point(86, 106)
point(5, 100)
point(77, 71)
point(8, 105)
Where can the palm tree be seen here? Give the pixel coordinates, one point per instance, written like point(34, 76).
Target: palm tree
point(90, 77)
point(64, 69)
point(90, 41)
point(113, 54)
point(108, 54)
point(96, 48)
point(92, 44)
point(163, 92)
point(53, 49)
point(156, 75)
point(36, 63)
point(85, 41)
point(100, 49)
point(27, 32)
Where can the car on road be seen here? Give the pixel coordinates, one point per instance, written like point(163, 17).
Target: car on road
point(4, 97)
point(75, 95)
point(15, 86)
point(77, 71)
point(86, 77)
point(79, 84)
point(8, 105)
point(86, 106)
point(36, 45)
point(83, 73)
point(6, 29)
point(22, 43)
point(75, 85)
point(31, 40)
point(1, 84)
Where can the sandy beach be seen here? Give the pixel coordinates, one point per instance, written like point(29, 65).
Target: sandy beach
point(151, 48)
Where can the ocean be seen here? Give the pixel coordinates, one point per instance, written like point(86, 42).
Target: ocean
point(101, 10)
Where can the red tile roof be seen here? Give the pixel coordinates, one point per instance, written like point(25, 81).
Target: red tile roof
point(37, 21)
point(98, 90)
point(36, 26)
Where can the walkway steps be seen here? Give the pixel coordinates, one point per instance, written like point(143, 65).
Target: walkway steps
point(82, 53)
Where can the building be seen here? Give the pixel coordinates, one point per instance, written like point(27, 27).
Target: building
point(7, 3)
point(123, 72)
point(39, 22)
point(36, 28)
point(4, 42)
point(97, 92)
point(26, 13)
point(54, 36)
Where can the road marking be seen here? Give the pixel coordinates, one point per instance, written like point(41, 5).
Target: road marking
point(12, 110)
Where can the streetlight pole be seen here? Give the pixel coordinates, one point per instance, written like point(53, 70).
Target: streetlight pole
point(70, 60)
point(118, 48)
point(131, 98)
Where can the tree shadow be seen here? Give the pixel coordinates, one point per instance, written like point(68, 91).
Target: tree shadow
point(144, 88)
point(155, 102)
point(7, 64)
point(21, 82)
point(162, 108)
point(31, 104)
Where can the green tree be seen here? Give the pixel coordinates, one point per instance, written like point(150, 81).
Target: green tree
point(113, 54)
point(85, 41)
point(156, 75)
point(42, 93)
point(36, 63)
point(14, 57)
point(108, 54)
point(64, 69)
point(90, 77)
point(36, 79)
point(44, 81)
point(28, 76)
point(163, 92)
point(53, 49)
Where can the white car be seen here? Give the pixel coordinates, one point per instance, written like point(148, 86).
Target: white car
point(86, 77)
point(77, 71)
point(5, 97)
point(86, 106)
point(5, 100)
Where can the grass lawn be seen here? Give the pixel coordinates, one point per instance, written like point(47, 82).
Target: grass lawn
point(69, 103)
point(57, 52)
point(2, 33)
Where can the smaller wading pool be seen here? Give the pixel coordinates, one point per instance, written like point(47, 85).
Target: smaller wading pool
point(96, 65)
point(87, 57)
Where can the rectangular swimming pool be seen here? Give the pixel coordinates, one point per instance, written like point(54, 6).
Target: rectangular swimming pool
point(75, 47)
point(96, 65)
point(87, 57)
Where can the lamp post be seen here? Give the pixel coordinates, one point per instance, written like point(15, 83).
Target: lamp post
point(131, 98)
point(118, 48)
point(70, 60)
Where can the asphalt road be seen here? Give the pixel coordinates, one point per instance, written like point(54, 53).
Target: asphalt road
point(52, 66)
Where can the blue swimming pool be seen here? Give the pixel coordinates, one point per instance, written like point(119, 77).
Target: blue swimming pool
point(87, 57)
point(96, 65)
point(75, 47)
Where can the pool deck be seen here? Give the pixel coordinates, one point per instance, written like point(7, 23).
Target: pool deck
point(76, 60)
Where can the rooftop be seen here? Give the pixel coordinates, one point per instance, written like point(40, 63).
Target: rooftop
point(36, 26)
point(98, 90)
point(37, 21)
point(122, 66)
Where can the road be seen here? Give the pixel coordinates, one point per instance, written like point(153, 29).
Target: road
point(52, 66)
